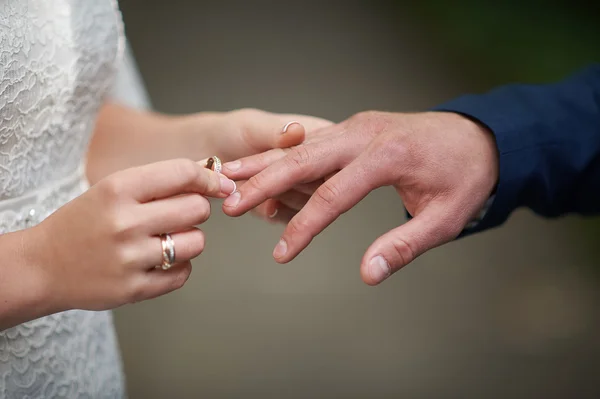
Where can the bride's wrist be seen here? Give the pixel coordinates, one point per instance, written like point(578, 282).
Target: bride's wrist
point(201, 133)
point(27, 288)
point(45, 286)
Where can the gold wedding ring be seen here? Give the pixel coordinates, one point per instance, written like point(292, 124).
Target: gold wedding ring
point(168, 251)
point(214, 164)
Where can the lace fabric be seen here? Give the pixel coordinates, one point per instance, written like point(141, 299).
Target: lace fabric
point(30, 209)
point(58, 60)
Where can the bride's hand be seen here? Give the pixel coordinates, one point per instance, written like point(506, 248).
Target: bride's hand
point(101, 250)
point(250, 131)
point(125, 137)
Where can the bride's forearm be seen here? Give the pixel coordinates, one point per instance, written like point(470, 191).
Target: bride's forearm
point(126, 137)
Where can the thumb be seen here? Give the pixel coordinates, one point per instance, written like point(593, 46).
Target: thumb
point(285, 130)
point(433, 226)
point(264, 137)
point(291, 134)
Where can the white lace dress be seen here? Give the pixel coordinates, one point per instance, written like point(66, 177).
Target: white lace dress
point(58, 60)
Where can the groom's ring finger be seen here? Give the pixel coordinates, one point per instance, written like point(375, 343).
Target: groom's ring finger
point(284, 215)
point(268, 209)
point(274, 212)
point(187, 244)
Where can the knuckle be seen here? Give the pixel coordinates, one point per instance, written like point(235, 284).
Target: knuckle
point(257, 182)
point(404, 250)
point(246, 118)
point(298, 157)
point(249, 113)
point(186, 169)
point(326, 196)
point(208, 184)
point(364, 115)
point(298, 225)
point(200, 207)
point(213, 183)
point(110, 188)
point(126, 257)
point(390, 148)
point(371, 122)
point(121, 225)
point(135, 291)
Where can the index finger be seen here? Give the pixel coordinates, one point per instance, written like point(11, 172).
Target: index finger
point(174, 177)
point(244, 168)
point(302, 164)
point(335, 197)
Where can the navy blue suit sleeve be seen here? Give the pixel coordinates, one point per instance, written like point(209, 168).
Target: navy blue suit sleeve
point(548, 138)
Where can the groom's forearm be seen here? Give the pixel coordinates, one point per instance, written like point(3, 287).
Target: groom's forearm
point(125, 137)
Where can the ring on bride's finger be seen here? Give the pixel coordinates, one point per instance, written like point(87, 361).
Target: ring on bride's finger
point(168, 251)
point(214, 164)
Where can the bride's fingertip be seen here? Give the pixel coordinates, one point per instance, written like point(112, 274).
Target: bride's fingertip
point(228, 186)
point(293, 129)
point(293, 134)
point(287, 126)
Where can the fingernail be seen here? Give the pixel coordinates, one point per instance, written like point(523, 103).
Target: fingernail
point(287, 125)
point(233, 200)
point(275, 212)
point(233, 165)
point(280, 249)
point(227, 186)
point(379, 269)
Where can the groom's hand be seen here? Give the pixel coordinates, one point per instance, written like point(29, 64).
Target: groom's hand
point(443, 166)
